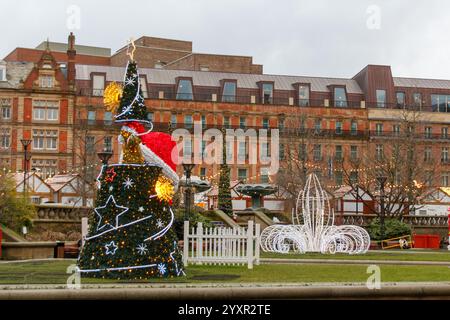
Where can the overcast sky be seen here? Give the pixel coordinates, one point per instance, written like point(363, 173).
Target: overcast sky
point(298, 37)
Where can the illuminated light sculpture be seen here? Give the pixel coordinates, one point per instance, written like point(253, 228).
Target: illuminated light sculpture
point(313, 228)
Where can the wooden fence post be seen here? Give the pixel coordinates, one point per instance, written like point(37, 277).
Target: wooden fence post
point(257, 243)
point(199, 241)
point(250, 244)
point(185, 243)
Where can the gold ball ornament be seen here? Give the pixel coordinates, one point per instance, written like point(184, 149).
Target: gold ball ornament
point(164, 189)
point(112, 96)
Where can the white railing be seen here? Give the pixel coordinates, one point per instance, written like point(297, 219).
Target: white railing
point(221, 245)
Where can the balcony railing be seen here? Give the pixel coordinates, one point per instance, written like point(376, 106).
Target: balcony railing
point(364, 220)
point(406, 135)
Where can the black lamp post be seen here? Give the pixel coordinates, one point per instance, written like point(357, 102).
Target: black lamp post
point(187, 198)
point(27, 157)
point(382, 181)
point(104, 156)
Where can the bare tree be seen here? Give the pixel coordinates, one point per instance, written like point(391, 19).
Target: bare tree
point(397, 156)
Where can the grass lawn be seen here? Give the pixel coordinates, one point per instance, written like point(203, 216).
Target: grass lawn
point(54, 272)
point(406, 255)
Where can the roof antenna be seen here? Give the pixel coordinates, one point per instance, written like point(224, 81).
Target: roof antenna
point(47, 46)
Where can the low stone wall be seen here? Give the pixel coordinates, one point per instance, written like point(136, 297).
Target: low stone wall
point(28, 250)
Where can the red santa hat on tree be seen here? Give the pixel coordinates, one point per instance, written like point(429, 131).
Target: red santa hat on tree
point(158, 149)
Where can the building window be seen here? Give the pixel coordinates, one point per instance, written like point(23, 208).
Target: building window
point(226, 122)
point(303, 96)
point(354, 152)
point(444, 155)
point(379, 152)
point(242, 151)
point(396, 129)
point(45, 110)
point(445, 181)
point(90, 145)
point(5, 105)
point(400, 99)
point(264, 176)
point(173, 120)
point(5, 138)
point(427, 154)
point(91, 117)
point(379, 129)
point(46, 81)
point(267, 93)
point(265, 123)
point(338, 127)
point(187, 148)
point(98, 85)
point(203, 121)
point(354, 127)
point(339, 178)
point(188, 121)
point(265, 150)
point(108, 118)
point(317, 125)
point(281, 151)
point(184, 90)
point(340, 97)
point(302, 155)
point(444, 132)
point(338, 154)
point(2, 72)
point(242, 174)
point(428, 132)
point(417, 99)
point(354, 177)
point(242, 122)
point(381, 98)
point(203, 173)
point(229, 91)
point(281, 124)
point(144, 88)
point(150, 116)
point(45, 139)
point(46, 167)
point(440, 102)
point(317, 152)
point(107, 144)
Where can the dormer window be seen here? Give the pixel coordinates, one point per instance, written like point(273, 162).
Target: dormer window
point(98, 84)
point(229, 91)
point(144, 89)
point(340, 97)
point(2, 72)
point(303, 95)
point(267, 93)
point(46, 81)
point(184, 90)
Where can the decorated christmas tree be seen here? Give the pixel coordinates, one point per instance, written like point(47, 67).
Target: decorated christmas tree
point(130, 234)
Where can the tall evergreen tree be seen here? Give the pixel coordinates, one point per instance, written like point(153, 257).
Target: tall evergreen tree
point(224, 195)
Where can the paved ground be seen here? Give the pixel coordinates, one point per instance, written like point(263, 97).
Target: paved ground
point(233, 291)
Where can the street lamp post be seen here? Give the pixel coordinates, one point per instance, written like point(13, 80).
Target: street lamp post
point(382, 181)
point(26, 157)
point(104, 156)
point(187, 197)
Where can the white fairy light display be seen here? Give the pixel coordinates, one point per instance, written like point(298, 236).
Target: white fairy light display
point(313, 228)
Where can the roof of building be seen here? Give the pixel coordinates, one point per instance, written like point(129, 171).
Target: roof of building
point(57, 182)
point(87, 50)
point(421, 83)
point(16, 73)
point(212, 79)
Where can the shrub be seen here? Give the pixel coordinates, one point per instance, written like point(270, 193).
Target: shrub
point(393, 228)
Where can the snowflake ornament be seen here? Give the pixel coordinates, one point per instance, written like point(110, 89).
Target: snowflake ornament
point(128, 183)
point(162, 268)
point(142, 249)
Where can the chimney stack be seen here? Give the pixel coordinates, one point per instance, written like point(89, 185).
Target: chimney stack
point(71, 54)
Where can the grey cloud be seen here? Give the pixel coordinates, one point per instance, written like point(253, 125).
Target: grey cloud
point(318, 38)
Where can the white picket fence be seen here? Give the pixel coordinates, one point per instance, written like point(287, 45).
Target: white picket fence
point(221, 245)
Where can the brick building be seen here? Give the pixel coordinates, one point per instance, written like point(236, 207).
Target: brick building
point(348, 117)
